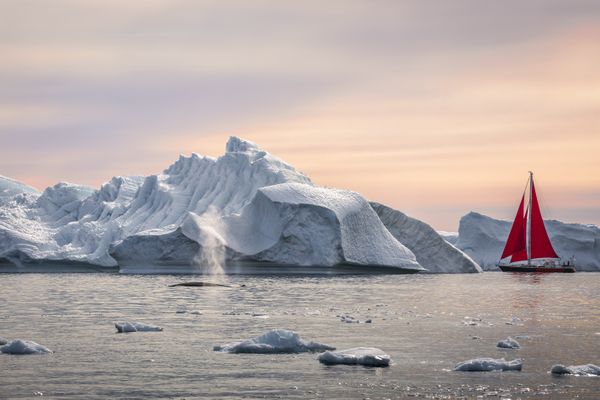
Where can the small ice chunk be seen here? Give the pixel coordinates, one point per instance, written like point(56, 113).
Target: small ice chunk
point(3, 341)
point(508, 343)
point(19, 346)
point(125, 327)
point(273, 341)
point(578, 370)
point(489, 364)
point(369, 356)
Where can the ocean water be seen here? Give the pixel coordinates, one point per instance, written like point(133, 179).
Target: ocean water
point(427, 323)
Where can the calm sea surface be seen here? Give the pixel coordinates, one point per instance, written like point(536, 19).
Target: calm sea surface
point(427, 323)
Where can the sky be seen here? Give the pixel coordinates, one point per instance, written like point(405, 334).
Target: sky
point(436, 108)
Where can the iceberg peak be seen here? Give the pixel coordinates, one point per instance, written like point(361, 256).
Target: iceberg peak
point(238, 145)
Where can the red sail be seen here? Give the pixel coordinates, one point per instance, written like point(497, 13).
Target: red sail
point(540, 242)
point(520, 250)
point(516, 242)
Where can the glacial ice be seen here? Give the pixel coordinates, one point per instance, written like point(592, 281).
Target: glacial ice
point(19, 346)
point(489, 364)
point(577, 370)
point(483, 238)
point(246, 206)
point(369, 356)
point(274, 341)
point(508, 343)
point(450, 237)
point(430, 249)
point(126, 327)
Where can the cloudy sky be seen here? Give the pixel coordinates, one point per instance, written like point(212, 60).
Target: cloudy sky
point(433, 107)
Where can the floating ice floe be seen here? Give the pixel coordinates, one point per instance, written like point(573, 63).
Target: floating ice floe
point(126, 327)
point(508, 343)
point(274, 341)
point(577, 370)
point(489, 364)
point(19, 346)
point(369, 356)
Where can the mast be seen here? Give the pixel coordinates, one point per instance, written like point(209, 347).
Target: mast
point(529, 219)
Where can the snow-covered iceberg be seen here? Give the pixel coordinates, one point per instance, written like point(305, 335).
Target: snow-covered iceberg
point(578, 370)
point(431, 250)
point(245, 206)
point(24, 347)
point(369, 356)
point(127, 327)
point(483, 238)
point(508, 343)
point(489, 364)
point(274, 341)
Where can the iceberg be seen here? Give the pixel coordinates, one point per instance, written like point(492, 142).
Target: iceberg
point(450, 237)
point(246, 206)
point(508, 343)
point(274, 341)
point(368, 356)
point(577, 370)
point(126, 327)
point(483, 239)
point(489, 364)
point(429, 247)
point(24, 347)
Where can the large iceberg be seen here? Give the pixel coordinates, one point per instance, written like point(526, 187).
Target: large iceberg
point(246, 207)
point(483, 238)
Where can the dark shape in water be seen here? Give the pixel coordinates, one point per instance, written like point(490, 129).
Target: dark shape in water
point(198, 284)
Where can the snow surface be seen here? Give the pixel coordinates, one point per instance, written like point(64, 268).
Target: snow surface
point(508, 343)
point(19, 346)
point(274, 341)
point(246, 205)
point(126, 327)
point(489, 364)
point(483, 238)
point(578, 370)
point(431, 250)
point(369, 356)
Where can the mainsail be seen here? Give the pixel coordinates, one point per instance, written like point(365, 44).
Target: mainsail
point(540, 246)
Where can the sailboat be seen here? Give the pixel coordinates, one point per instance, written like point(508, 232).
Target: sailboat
point(528, 247)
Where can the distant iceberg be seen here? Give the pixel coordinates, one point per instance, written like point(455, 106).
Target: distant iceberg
point(274, 341)
point(245, 207)
point(483, 238)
